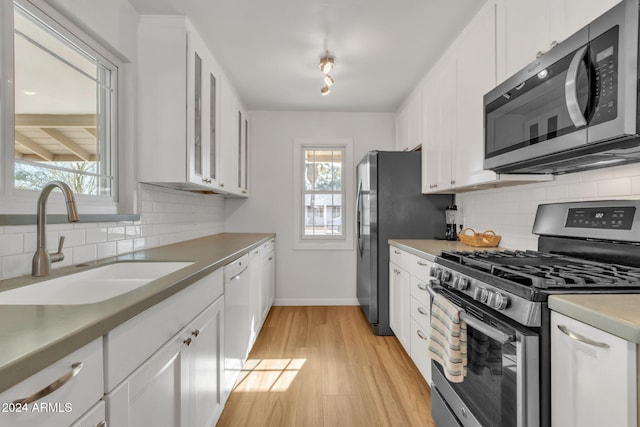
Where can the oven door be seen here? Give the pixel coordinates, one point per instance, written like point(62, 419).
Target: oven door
point(501, 388)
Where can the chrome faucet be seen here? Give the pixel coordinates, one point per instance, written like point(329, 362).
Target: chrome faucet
point(42, 259)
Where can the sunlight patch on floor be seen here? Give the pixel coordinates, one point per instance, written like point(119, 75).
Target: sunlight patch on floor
point(268, 375)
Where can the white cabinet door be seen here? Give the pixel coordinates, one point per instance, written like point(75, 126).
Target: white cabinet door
point(402, 129)
point(156, 394)
point(96, 417)
point(268, 279)
point(522, 31)
point(593, 376)
point(476, 70)
point(399, 317)
point(255, 304)
point(206, 366)
point(440, 119)
point(568, 16)
point(234, 144)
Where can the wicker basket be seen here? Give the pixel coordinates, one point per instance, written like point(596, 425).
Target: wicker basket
point(487, 239)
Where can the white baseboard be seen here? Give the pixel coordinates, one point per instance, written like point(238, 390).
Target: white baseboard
point(315, 301)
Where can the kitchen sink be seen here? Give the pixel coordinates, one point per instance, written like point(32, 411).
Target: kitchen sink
point(90, 286)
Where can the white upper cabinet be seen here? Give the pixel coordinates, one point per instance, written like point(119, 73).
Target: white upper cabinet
point(409, 123)
point(234, 145)
point(181, 114)
point(526, 29)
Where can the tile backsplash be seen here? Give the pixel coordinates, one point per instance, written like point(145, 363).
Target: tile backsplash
point(166, 216)
point(510, 211)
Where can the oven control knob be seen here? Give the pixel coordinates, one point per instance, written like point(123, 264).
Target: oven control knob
point(461, 283)
point(436, 272)
point(480, 294)
point(497, 300)
point(446, 275)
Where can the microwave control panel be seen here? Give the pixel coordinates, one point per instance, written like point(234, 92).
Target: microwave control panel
point(604, 57)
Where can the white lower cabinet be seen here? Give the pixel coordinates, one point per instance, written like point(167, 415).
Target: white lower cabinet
point(410, 306)
point(180, 384)
point(156, 393)
point(74, 383)
point(593, 376)
point(399, 304)
point(95, 417)
point(268, 280)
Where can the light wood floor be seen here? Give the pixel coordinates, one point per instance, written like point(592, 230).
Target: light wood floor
point(323, 366)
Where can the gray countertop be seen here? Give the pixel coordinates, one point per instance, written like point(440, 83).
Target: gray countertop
point(429, 248)
point(617, 314)
point(32, 337)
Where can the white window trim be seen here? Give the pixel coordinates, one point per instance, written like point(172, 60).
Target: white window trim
point(17, 201)
point(348, 172)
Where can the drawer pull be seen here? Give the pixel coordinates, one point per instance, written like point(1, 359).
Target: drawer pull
point(102, 424)
point(196, 332)
point(421, 335)
point(397, 252)
point(270, 258)
point(422, 287)
point(581, 338)
point(187, 341)
point(423, 264)
point(75, 369)
point(422, 311)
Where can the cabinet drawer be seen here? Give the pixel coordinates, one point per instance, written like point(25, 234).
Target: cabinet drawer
point(63, 406)
point(131, 343)
point(421, 313)
point(419, 291)
point(419, 267)
point(399, 257)
point(420, 350)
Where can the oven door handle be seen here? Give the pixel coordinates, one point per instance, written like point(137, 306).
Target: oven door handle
point(474, 322)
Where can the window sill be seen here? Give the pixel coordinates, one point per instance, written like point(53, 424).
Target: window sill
point(27, 219)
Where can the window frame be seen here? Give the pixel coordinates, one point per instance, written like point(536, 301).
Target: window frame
point(20, 201)
point(323, 242)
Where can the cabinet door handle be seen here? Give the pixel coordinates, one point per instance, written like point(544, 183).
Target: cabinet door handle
point(102, 424)
point(422, 287)
point(423, 264)
point(422, 311)
point(421, 335)
point(196, 332)
point(581, 338)
point(187, 341)
point(270, 258)
point(75, 369)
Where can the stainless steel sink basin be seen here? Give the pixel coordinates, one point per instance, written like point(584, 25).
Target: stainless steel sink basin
point(90, 286)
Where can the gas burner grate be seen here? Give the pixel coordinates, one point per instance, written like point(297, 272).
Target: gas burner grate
point(547, 271)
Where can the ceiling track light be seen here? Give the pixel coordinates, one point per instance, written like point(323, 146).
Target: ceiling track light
point(328, 80)
point(327, 63)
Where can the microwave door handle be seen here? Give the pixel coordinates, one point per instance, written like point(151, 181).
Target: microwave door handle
point(571, 89)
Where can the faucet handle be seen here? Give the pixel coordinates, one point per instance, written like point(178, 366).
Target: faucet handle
point(59, 255)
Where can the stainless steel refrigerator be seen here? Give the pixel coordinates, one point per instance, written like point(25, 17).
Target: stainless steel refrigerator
point(390, 205)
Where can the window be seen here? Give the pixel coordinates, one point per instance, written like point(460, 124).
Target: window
point(64, 110)
point(323, 192)
point(323, 184)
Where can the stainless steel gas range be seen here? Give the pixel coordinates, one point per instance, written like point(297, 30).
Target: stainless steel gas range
point(583, 247)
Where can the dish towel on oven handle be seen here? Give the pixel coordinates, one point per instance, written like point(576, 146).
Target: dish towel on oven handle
point(448, 339)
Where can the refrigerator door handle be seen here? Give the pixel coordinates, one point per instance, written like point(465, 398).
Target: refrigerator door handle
point(358, 219)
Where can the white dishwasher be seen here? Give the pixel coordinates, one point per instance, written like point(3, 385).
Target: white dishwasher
point(237, 328)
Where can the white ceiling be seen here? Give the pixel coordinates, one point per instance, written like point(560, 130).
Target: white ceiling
point(270, 50)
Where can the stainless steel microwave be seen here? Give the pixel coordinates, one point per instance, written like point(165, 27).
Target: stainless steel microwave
point(574, 108)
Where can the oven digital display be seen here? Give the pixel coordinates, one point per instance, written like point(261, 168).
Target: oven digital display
point(606, 218)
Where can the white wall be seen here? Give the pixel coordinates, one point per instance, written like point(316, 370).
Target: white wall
point(304, 277)
point(510, 211)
